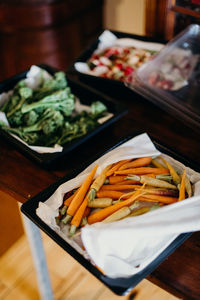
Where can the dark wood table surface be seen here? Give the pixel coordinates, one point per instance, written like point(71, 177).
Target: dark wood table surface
point(23, 178)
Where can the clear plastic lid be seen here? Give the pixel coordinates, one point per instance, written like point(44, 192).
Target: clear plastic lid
point(172, 79)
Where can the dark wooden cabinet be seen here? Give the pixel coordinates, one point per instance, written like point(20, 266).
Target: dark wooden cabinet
point(166, 18)
point(46, 31)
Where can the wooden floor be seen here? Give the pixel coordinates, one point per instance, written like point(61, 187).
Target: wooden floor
point(70, 281)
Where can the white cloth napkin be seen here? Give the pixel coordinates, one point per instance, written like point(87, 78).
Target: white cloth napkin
point(126, 247)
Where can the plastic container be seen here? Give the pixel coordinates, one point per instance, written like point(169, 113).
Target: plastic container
point(172, 79)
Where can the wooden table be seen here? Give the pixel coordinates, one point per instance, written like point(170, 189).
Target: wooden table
point(22, 178)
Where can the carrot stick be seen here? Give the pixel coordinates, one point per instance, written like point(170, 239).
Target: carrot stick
point(76, 220)
point(105, 212)
point(182, 188)
point(163, 199)
point(143, 170)
point(117, 166)
point(175, 176)
point(109, 194)
point(139, 162)
point(78, 199)
point(119, 187)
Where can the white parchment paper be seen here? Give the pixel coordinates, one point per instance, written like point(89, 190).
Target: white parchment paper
point(126, 247)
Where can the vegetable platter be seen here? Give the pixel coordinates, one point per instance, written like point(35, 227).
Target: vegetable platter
point(46, 115)
point(151, 211)
point(114, 56)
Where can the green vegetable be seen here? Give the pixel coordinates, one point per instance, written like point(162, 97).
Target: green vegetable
point(46, 116)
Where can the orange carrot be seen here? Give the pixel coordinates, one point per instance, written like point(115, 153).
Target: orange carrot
point(78, 199)
point(116, 179)
point(117, 166)
point(105, 212)
point(119, 187)
point(69, 199)
point(159, 198)
point(182, 188)
point(127, 182)
point(139, 162)
point(109, 194)
point(76, 220)
point(143, 170)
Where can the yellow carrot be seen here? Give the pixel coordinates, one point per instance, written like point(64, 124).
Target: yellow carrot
point(119, 187)
point(117, 166)
point(105, 212)
point(153, 181)
point(100, 202)
point(143, 170)
point(98, 182)
point(182, 188)
point(78, 199)
point(139, 162)
point(156, 163)
point(175, 176)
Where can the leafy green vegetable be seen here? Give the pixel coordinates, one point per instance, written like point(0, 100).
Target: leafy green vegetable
point(46, 115)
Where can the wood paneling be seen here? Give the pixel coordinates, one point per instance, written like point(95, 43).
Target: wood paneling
point(52, 32)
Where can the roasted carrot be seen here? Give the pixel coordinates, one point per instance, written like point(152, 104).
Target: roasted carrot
point(98, 182)
point(118, 215)
point(161, 192)
point(159, 198)
point(109, 194)
point(117, 166)
point(105, 212)
point(182, 188)
point(119, 187)
point(100, 202)
point(139, 162)
point(69, 199)
point(175, 176)
point(115, 179)
point(85, 215)
point(188, 186)
point(76, 220)
point(127, 182)
point(143, 170)
point(156, 163)
point(78, 199)
point(153, 181)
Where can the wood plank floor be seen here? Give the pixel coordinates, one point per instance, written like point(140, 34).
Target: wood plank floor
point(70, 281)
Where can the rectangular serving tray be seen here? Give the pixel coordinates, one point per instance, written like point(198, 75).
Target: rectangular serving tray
point(120, 286)
point(86, 54)
point(86, 95)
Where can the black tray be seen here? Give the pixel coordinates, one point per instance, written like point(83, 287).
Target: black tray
point(119, 286)
point(86, 95)
point(86, 54)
